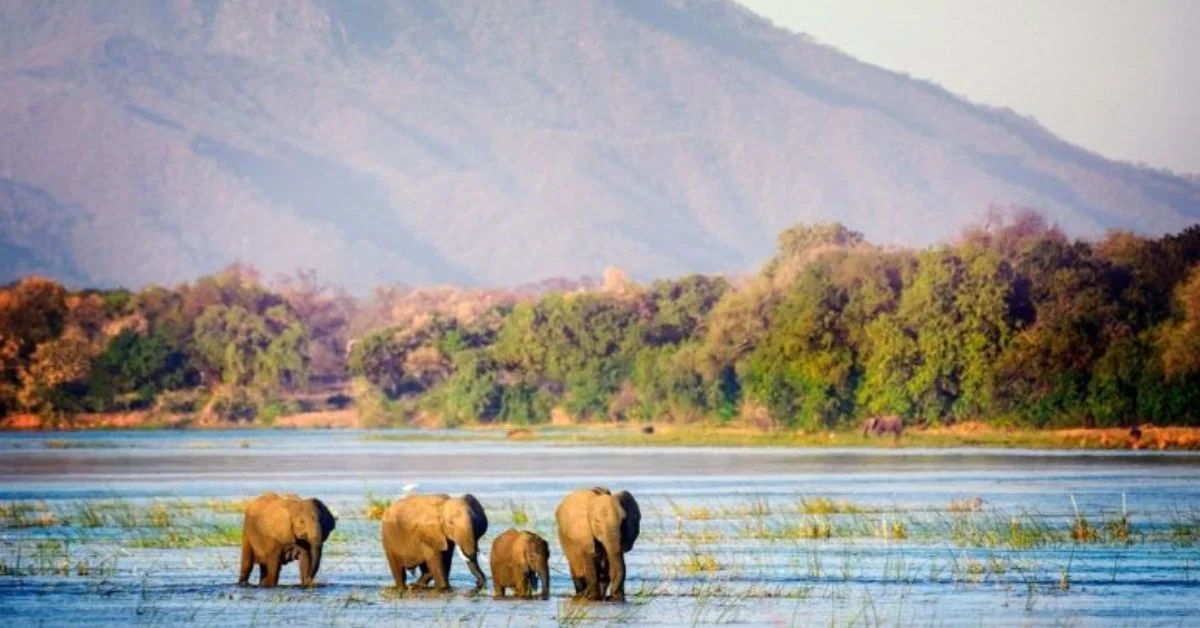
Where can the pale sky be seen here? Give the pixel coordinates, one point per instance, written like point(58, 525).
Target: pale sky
point(1119, 77)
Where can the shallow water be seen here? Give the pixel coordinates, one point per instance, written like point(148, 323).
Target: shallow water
point(724, 534)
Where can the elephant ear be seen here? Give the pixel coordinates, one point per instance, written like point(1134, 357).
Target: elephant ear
point(464, 521)
point(324, 517)
point(475, 512)
point(631, 525)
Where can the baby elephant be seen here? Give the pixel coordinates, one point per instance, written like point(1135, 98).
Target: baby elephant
point(519, 561)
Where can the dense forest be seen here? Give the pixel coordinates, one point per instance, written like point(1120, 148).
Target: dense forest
point(1012, 324)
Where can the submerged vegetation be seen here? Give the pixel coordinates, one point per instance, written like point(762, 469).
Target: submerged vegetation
point(1012, 325)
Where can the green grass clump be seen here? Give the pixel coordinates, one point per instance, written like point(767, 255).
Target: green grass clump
point(376, 506)
point(27, 515)
point(226, 506)
point(520, 514)
point(220, 535)
point(1082, 531)
point(1119, 530)
point(827, 506)
point(808, 529)
point(698, 562)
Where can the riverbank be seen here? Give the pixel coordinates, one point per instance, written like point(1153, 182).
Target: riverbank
point(968, 434)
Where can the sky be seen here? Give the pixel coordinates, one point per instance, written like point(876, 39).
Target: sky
point(1118, 77)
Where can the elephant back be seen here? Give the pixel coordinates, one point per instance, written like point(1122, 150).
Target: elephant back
point(417, 517)
point(268, 516)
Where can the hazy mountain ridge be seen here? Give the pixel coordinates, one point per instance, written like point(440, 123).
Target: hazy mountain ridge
point(492, 142)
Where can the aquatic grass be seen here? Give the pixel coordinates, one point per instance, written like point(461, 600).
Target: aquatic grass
point(27, 515)
point(375, 507)
point(698, 562)
point(226, 506)
point(759, 507)
point(827, 506)
point(974, 504)
point(519, 512)
point(1082, 530)
point(216, 535)
point(808, 529)
point(89, 516)
point(54, 557)
point(694, 513)
point(891, 529)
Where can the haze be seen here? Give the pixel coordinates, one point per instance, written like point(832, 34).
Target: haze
point(1114, 76)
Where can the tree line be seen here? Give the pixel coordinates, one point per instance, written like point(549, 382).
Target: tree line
point(1013, 323)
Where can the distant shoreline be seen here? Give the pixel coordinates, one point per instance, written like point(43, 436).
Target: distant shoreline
point(968, 434)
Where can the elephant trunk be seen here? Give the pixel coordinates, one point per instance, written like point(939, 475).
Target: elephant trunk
point(314, 561)
point(616, 574)
point(469, 549)
point(473, 565)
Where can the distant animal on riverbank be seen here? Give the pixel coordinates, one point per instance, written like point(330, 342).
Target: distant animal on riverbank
point(880, 425)
point(1135, 435)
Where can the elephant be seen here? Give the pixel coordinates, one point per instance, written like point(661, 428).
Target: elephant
point(519, 560)
point(880, 425)
point(279, 529)
point(421, 531)
point(596, 528)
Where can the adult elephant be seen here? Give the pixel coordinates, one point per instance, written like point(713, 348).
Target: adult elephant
point(421, 531)
point(596, 528)
point(278, 529)
point(880, 425)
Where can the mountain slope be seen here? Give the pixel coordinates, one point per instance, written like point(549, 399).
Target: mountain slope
point(483, 143)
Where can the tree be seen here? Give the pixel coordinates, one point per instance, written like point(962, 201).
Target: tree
point(54, 365)
point(138, 365)
point(803, 369)
point(1180, 338)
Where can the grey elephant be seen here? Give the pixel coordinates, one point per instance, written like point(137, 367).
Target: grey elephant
point(278, 529)
point(596, 528)
point(520, 560)
point(880, 425)
point(422, 531)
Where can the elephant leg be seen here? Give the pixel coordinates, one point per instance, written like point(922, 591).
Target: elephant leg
point(591, 578)
point(602, 575)
point(573, 565)
point(247, 563)
point(262, 572)
point(306, 575)
point(425, 578)
point(437, 569)
point(271, 579)
point(616, 576)
point(447, 556)
point(497, 585)
point(398, 572)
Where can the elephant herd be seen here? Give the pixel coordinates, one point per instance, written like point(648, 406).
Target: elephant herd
point(420, 534)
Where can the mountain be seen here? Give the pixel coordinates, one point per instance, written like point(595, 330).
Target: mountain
point(491, 142)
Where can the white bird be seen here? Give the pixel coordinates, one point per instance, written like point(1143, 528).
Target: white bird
point(408, 488)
